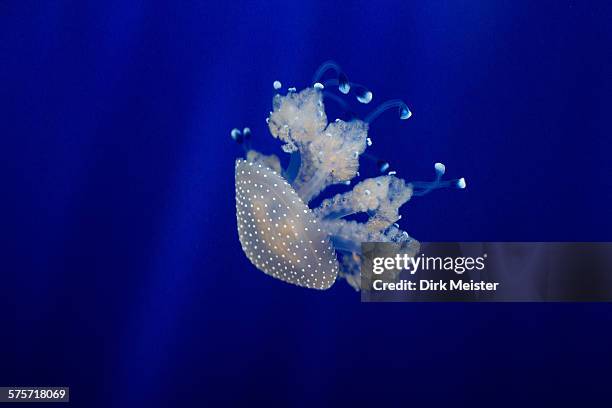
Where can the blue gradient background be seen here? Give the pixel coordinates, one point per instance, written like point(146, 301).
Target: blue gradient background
point(122, 274)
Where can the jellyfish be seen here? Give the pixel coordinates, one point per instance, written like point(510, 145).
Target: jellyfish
point(280, 231)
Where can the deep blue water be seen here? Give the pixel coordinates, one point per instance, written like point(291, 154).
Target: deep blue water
point(122, 274)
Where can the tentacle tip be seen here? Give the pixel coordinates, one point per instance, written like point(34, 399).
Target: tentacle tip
point(237, 135)
point(318, 85)
point(247, 133)
point(344, 85)
point(440, 168)
point(405, 113)
point(364, 95)
point(461, 183)
point(277, 85)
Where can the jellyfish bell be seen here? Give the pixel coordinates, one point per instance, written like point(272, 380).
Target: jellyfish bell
point(278, 232)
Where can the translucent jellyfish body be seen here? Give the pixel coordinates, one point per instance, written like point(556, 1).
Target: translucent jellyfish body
point(278, 232)
point(311, 247)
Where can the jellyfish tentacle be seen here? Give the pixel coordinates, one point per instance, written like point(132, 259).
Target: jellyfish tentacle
point(294, 166)
point(345, 231)
point(404, 111)
point(345, 245)
point(246, 133)
point(349, 231)
point(363, 93)
point(329, 153)
point(424, 187)
point(343, 82)
point(323, 68)
point(297, 118)
point(308, 188)
point(350, 269)
point(238, 137)
point(381, 165)
point(335, 156)
point(379, 197)
point(347, 236)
